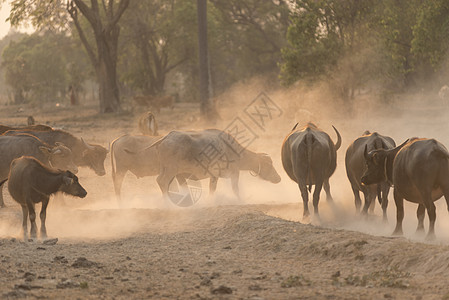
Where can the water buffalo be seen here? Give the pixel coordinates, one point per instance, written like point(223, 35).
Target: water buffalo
point(209, 153)
point(84, 154)
point(355, 167)
point(124, 158)
point(38, 127)
point(309, 157)
point(12, 147)
point(31, 182)
point(419, 171)
point(148, 124)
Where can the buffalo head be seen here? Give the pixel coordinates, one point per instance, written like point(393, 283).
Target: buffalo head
point(266, 169)
point(375, 166)
point(379, 165)
point(71, 185)
point(93, 157)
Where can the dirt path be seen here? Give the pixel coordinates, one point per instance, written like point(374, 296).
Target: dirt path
point(229, 252)
point(218, 250)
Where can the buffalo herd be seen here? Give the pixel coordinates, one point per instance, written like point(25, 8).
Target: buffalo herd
point(39, 161)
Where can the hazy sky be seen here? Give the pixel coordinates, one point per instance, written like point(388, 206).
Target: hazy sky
point(5, 26)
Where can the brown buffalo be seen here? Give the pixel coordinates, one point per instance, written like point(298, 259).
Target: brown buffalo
point(31, 182)
point(419, 171)
point(309, 157)
point(355, 166)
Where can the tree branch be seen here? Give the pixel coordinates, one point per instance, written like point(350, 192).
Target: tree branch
point(74, 14)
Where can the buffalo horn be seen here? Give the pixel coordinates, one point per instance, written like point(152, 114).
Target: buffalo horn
point(338, 144)
point(87, 145)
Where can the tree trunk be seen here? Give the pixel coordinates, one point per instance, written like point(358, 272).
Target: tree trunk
point(108, 90)
point(207, 108)
point(106, 38)
point(109, 93)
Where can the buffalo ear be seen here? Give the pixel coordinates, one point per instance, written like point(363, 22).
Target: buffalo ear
point(45, 150)
point(67, 180)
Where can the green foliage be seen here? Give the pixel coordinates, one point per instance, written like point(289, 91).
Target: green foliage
point(349, 43)
point(41, 67)
point(430, 32)
point(245, 38)
point(328, 39)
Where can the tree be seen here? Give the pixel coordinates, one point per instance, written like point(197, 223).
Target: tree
point(103, 20)
point(329, 39)
point(246, 38)
point(151, 33)
point(34, 67)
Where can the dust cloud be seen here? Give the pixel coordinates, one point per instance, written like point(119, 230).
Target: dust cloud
point(101, 216)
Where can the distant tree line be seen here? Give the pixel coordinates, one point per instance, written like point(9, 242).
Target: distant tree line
point(150, 47)
point(396, 45)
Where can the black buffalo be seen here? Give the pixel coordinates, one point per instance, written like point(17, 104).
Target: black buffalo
point(355, 167)
point(419, 171)
point(84, 154)
point(31, 182)
point(309, 157)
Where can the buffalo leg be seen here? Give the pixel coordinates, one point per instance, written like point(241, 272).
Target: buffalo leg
point(235, 185)
point(213, 185)
point(305, 199)
point(431, 212)
point(118, 180)
point(420, 212)
point(25, 222)
point(316, 197)
point(372, 203)
point(164, 179)
point(32, 214)
point(385, 189)
point(327, 189)
point(367, 196)
point(399, 201)
point(358, 201)
point(43, 216)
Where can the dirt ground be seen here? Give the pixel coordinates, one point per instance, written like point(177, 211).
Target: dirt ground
point(223, 248)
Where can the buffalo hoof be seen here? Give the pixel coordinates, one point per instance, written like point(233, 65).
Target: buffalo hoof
point(430, 237)
point(397, 232)
point(306, 219)
point(419, 231)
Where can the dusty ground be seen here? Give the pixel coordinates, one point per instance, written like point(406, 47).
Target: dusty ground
point(222, 248)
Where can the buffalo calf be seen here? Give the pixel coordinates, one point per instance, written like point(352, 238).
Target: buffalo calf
point(31, 182)
point(355, 166)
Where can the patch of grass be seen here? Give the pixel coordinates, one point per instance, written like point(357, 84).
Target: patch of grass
point(393, 278)
point(84, 285)
point(293, 281)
